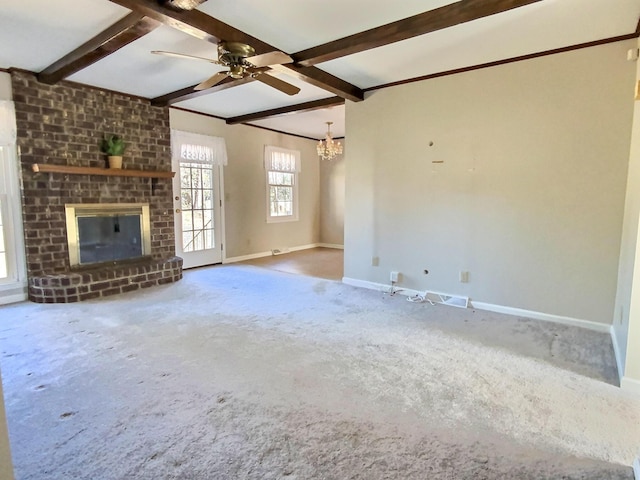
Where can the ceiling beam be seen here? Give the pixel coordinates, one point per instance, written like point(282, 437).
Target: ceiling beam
point(423, 23)
point(205, 27)
point(188, 93)
point(121, 33)
point(506, 61)
point(276, 112)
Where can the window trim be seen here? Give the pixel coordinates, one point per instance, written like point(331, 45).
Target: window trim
point(12, 221)
point(269, 150)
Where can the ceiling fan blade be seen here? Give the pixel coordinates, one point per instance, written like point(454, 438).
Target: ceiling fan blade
point(211, 81)
point(182, 55)
point(271, 58)
point(278, 84)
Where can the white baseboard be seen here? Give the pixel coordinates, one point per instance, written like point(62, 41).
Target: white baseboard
point(331, 245)
point(636, 468)
point(242, 258)
point(616, 351)
point(380, 287)
point(575, 322)
point(13, 292)
point(303, 247)
point(519, 312)
point(630, 384)
point(253, 256)
point(18, 297)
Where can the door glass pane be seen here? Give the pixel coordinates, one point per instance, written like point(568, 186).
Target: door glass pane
point(197, 242)
point(198, 220)
point(208, 219)
point(187, 241)
point(187, 204)
point(197, 206)
point(207, 179)
point(185, 176)
point(198, 198)
point(208, 199)
point(187, 220)
point(209, 238)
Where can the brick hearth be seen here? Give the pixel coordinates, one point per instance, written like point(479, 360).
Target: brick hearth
point(63, 124)
point(104, 280)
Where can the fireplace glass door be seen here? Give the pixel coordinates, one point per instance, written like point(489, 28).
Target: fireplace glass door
point(108, 232)
point(109, 238)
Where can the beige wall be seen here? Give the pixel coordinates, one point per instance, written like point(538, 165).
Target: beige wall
point(627, 315)
point(5, 86)
point(332, 199)
point(529, 198)
point(246, 229)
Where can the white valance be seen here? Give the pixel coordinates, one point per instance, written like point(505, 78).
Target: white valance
point(197, 148)
point(278, 159)
point(7, 123)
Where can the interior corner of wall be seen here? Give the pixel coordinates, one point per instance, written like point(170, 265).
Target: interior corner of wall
point(5, 86)
point(617, 351)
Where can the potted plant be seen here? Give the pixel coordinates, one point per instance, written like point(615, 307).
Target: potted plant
point(114, 147)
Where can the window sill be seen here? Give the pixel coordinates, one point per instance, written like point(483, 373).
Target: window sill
point(282, 219)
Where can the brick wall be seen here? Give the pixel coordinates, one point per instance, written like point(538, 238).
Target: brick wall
point(63, 124)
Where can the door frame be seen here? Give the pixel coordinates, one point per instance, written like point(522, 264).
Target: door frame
point(178, 204)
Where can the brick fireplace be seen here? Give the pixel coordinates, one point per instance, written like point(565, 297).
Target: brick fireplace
point(62, 125)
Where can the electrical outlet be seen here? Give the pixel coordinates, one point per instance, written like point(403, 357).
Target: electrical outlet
point(394, 277)
point(375, 261)
point(464, 276)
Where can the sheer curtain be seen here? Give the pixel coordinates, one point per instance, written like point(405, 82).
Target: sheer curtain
point(197, 148)
point(281, 160)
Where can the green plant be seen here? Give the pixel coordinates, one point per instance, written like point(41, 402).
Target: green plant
point(112, 145)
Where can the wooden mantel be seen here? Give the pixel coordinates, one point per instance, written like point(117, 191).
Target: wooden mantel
point(109, 172)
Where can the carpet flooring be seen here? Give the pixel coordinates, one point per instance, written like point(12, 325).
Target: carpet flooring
point(240, 372)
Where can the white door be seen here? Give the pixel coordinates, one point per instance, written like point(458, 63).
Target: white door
point(197, 207)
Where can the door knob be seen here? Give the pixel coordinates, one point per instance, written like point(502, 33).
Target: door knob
point(177, 197)
point(178, 210)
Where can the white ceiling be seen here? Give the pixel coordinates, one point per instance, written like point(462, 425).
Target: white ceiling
point(36, 33)
point(295, 25)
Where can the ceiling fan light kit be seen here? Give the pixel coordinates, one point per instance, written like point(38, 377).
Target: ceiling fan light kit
point(328, 148)
point(242, 61)
point(181, 4)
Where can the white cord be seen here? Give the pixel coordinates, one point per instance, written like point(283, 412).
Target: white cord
point(419, 299)
point(392, 290)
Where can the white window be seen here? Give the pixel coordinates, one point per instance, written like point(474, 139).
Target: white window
point(4, 271)
point(12, 264)
point(282, 167)
point(11, 243)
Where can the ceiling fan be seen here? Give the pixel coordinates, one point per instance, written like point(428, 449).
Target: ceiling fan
point(242, 61)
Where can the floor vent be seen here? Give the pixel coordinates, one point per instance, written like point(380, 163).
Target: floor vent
point(445, 299)
point(279, 251)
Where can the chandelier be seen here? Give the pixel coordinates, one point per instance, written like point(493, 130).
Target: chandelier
point(328, 148)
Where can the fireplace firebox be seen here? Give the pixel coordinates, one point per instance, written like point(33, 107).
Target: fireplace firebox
point(111, 232)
